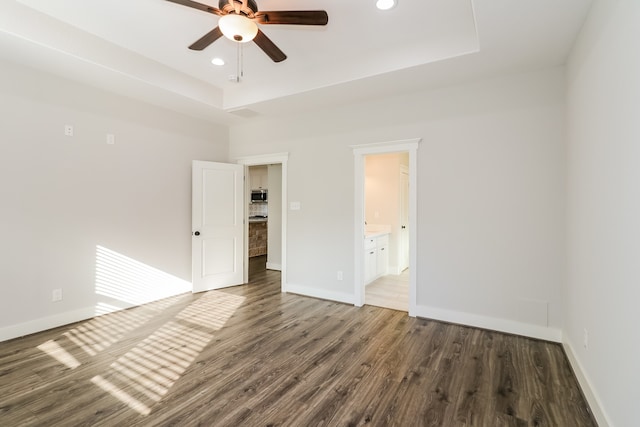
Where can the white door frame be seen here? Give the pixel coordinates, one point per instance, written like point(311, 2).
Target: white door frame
point(267, 159)
point(360, 151)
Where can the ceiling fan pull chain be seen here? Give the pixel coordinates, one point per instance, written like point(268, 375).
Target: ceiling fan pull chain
point(238, 62)
point(241, 60)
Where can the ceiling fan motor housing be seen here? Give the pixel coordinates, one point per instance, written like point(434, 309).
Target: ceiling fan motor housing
point(244, 7)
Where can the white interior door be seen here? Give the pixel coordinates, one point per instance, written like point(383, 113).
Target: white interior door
point(217, 225)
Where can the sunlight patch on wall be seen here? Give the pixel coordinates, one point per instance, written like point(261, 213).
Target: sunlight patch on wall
point(133, 282)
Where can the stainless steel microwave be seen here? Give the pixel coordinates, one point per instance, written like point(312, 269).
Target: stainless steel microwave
point(258, 196)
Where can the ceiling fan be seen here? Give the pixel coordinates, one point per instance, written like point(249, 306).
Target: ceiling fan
point(239, 18)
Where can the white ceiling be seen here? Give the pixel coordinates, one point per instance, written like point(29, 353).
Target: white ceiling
point(139, 49)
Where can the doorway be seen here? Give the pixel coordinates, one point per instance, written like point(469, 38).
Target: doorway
point(264, 208)
point(386, 208)
point(364, 232)
point(271, 176)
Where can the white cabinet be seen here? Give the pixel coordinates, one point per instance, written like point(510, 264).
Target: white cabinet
point(376, 257)
point(370, 260)
point(259, 177)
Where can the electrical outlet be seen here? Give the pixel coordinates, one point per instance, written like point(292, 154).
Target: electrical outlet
point(56, 295)
point(68, 130)
point(585, 338)
point(111, 139)
point(339, 275)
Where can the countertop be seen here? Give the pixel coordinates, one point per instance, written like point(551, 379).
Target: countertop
point(253, 219)
point(371, 234)
point(376, 230)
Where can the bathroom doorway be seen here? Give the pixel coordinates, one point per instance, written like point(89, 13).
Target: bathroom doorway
point(370, 228)
point(386, 208)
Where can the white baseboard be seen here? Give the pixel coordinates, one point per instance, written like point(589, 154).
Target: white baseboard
point(45, 323)
point(492, 323)
point(585, 384)
point(394, 269)
point(62, 319)
point(319, 293)
point(274, 266)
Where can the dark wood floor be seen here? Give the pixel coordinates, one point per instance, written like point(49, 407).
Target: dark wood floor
point(252, 356)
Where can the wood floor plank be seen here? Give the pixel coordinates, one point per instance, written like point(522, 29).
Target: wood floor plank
point(252, 356)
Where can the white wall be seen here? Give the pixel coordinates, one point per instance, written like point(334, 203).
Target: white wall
point(604, 210)
point(490, 196)
point(84, 216)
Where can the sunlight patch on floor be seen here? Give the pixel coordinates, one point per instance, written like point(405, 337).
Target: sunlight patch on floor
point(121, 395)
point(212, 310)
point(142, 376)
point(56, 351)
point(100, 333)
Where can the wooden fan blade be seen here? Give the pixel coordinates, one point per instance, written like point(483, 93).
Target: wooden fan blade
point(198, 6)
point(293, 17)
point(269, 47)
point(207, 39)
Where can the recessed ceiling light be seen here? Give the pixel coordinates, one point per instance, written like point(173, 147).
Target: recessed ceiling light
point(385, 4)
point(217, 61)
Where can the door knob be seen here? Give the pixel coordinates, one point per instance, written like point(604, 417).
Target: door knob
point(197, 233)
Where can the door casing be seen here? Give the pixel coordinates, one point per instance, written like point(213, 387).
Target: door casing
point(403, 252)
point(360, 151)
point(267, 159)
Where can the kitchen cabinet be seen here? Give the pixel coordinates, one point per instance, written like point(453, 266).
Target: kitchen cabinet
point(257, 238)
point(258, 177)
point(376, 257)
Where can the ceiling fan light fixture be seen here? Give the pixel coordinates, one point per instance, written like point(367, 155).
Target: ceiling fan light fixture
point(238, 28)
point(386, 4)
